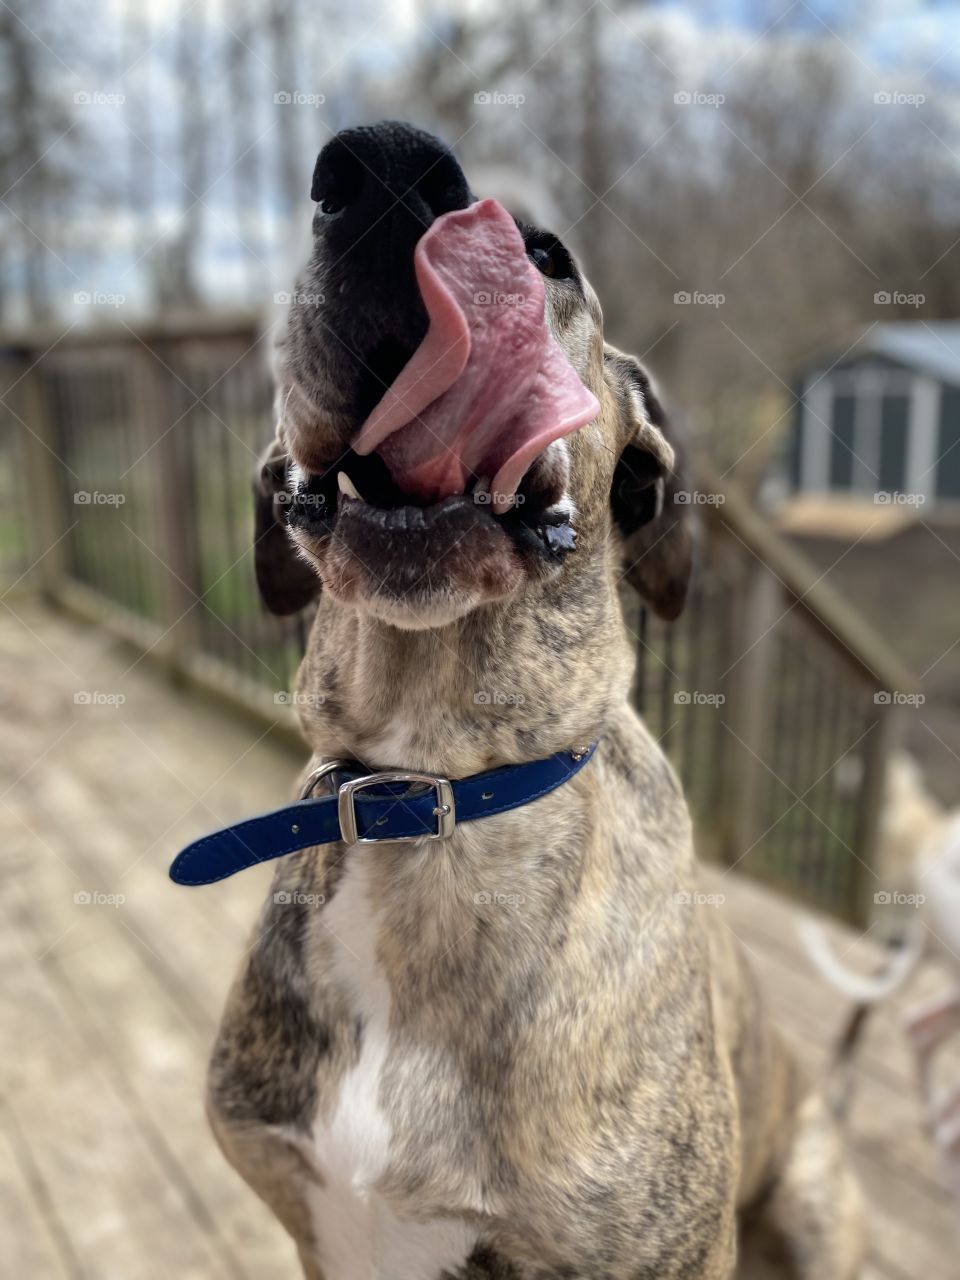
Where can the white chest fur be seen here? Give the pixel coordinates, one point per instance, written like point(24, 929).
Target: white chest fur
point(358, 1236)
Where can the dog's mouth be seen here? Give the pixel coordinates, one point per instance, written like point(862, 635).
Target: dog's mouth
point(422, 562)
point(456, 480)
point(360, 490)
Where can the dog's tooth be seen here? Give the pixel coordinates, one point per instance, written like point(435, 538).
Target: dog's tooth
point(347, 487)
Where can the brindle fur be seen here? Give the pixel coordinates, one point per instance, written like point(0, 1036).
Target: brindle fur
point(587, 1077)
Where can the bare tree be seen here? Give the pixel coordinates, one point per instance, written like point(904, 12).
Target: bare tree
point(35, 147)
point(749, 198)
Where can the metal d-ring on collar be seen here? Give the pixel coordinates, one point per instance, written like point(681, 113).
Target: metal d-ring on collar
point(318, 774)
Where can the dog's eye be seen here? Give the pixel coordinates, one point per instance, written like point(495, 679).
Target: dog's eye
point(329, 206)
point(543, 261)
point(550, 257)
point(547, 253)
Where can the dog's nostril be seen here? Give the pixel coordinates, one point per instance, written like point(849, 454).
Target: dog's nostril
point(338, 178)
point(442, 186)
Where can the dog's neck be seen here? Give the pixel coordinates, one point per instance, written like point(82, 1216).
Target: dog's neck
point(510, 682)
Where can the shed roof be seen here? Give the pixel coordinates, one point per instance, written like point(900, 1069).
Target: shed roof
point(930, 346)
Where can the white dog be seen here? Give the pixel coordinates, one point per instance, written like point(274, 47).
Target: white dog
point(918, 855)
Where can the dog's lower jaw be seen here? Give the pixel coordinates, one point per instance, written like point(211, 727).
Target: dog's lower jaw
point(417, 566)
point(353, 587)
point(430, 615)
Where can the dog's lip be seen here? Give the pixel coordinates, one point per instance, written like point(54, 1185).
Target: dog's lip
point(404, 519)
point(409, 547)
point(318, 508)
point(409, 518)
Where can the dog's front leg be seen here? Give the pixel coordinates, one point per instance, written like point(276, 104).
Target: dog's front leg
point(278, 1167)
point(710, 1258)
point(487, 1264)
point(928, 1025)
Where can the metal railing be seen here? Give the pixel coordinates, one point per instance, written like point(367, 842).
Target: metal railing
point(140, 449)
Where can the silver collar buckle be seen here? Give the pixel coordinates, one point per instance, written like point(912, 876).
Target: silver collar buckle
point(444, 810)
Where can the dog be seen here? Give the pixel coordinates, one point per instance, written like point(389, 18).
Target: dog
point(517, 1052)
point(918, 857)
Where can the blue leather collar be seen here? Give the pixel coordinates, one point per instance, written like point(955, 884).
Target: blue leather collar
point(370, 808)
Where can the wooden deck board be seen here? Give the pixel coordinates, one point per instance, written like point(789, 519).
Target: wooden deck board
point(35, 1242)
point(113, 1199)
point(106, 1165)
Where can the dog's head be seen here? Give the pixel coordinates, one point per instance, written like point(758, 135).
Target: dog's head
point(400, 474)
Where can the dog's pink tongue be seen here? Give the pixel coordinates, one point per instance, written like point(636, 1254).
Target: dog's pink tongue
point(488, 388)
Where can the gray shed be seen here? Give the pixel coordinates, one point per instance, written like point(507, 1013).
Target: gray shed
point(883, 417)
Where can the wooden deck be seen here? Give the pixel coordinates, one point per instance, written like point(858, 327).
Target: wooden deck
point(107, 1010)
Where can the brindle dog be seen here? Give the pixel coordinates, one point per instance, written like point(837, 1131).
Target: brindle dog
point(517, 1052)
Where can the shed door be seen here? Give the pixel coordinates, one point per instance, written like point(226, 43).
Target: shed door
point(841, 441)
point(948, 444)
point(892, 463)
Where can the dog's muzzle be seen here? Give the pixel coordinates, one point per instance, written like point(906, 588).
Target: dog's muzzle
point(421, 406)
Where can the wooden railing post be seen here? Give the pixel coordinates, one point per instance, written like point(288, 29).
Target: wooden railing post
point(877, 744)
point(172, 508)
point(748, 710)
point(46, 475)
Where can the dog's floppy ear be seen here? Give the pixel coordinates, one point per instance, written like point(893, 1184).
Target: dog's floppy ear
point(287, 584)
point(657, 533)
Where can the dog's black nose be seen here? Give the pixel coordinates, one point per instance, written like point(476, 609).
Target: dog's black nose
point(389, 174)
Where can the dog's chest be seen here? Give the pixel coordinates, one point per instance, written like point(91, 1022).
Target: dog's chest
point(359, 1236)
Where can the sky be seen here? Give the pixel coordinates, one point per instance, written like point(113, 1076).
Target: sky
point(920, 36)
